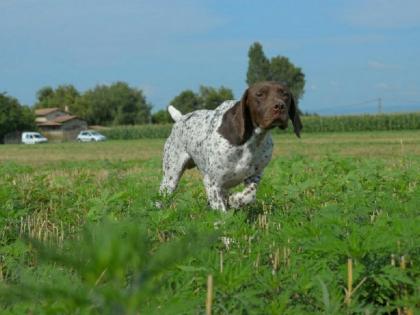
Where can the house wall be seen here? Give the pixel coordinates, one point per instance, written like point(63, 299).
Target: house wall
point(74, 124)
point(40, 119)
point(53, 135)
point(68, 131)
point(49, 128)
point(53, 115)
point(72, 128)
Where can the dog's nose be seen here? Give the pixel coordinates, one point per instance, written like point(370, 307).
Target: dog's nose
point(279, 106)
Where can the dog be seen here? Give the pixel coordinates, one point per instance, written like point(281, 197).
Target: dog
point(229, 145)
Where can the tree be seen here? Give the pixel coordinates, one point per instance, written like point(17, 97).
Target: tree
point(117, 104)
point(207, 98)
point(45, 93)
point(258, 65)
point(211, 98)
point(161, 117)
point(187, 101)
point(14, 116)
point(278, 69)
point(282, 70)
point(62, 96)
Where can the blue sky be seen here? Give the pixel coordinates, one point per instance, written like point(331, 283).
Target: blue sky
point(350, 51)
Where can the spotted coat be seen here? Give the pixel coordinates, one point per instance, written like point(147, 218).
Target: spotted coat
point(195, 141)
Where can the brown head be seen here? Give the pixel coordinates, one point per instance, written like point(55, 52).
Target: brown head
point(265, 105)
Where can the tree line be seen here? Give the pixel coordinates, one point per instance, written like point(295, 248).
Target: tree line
point(121, 104)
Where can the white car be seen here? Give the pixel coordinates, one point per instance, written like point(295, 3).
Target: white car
point(33, 138)
point(90, 135)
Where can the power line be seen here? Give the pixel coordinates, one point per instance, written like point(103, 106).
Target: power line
point(404, 100)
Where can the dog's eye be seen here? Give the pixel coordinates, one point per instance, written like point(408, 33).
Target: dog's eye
point(259, 94)
point(284, 94)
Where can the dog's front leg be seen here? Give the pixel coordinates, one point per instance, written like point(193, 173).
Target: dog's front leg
point(248, 195)
point(216, 195)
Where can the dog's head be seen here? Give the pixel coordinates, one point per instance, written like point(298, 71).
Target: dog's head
point(265, 105)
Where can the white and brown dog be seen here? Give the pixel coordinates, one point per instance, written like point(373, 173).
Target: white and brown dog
point(229, 145)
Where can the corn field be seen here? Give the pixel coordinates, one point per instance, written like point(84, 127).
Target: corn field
point(406, 121)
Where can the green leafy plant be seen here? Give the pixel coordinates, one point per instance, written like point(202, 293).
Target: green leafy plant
point(109, 268)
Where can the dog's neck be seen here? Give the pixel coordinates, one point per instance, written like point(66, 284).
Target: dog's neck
point(258, 135)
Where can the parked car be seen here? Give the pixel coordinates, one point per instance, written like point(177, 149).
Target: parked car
point(33, 138)
point(90, 135)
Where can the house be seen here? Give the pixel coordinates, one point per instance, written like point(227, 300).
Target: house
point(57, 124)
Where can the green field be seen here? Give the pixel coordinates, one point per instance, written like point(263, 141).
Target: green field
point(313, 124)
point(79, 232)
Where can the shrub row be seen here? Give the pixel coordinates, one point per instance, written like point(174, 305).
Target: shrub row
point(406, 121)
point(138, 132)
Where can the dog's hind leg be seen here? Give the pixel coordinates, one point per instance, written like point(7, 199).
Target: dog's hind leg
point(174, 165)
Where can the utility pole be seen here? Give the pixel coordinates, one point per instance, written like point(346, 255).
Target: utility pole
point(379, 105)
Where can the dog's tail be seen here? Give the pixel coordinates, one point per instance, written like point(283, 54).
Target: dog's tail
point(175, 114)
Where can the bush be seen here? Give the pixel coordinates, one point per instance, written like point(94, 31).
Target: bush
point(13, 116)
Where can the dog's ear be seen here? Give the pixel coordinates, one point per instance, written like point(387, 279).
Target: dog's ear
point(294, 116)
point(237, 124)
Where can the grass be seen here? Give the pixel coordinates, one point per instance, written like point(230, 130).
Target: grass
point(374, 144)
point(79, 233)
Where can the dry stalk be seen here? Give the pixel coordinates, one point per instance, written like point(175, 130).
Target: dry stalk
point(402, 262)
point(100, 276)
point(226, 241)
point(285, 250)
point(209, 298)
point(276, 261)
point(402, 147)
point(262, 221)
point(257, 261)
point(38, 226)
point(286, 254)
point(61, 237)
point(403, 266)
point(349, 290)
point(221, 261)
